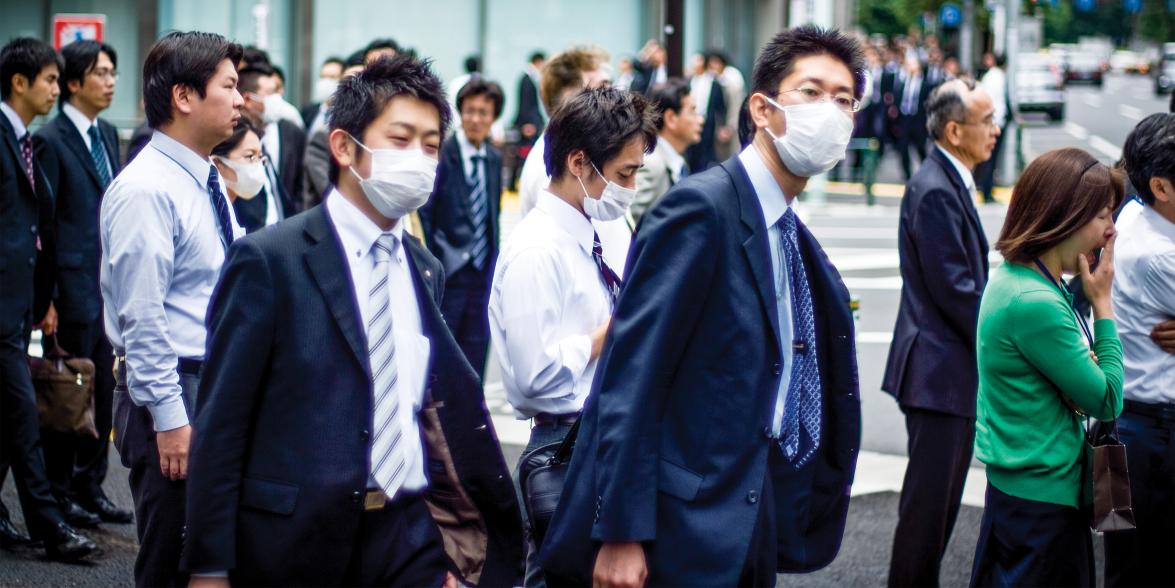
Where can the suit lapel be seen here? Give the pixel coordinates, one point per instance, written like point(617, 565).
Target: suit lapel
point(328, 266)
point(13, 146)
point(756, 246)
point(69, 135)
point(422, 276)
point(968, 199)
point(111, 138)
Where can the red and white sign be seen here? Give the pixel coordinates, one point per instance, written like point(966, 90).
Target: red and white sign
point(68, 28)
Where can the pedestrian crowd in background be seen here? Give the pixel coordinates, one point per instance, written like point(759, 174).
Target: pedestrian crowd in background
point(290, 312)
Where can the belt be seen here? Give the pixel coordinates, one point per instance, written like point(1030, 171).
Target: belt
point(1163, 412)
point(544, 419)
point(375, 499)
point(186, 365)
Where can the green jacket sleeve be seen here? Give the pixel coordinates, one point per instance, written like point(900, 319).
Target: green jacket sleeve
point(1049, 338)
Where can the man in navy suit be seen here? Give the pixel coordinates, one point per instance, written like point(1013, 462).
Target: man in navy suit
point(79, 153)
point(28, 87)
point(932, 369)
point(460, 220)
point(340, 432)
point(719, 441)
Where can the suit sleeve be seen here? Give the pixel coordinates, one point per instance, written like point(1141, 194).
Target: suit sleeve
point(942, 256)
point(45, 272)
point(240, 338)
point(317, 164)
point(646, 189)
point(671, 267)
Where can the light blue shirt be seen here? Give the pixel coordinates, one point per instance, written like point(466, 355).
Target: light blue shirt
point(161, 258)
point(774, 205)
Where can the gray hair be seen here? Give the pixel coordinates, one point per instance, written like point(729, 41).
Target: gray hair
point(945, 105)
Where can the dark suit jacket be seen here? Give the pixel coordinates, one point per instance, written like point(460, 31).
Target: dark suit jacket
point(139, 139)
point(74, 180)
point(309, 112)
point(25, 215)
point(672, 450)
point(446, 217)
point(292, 144)
point(529, 105)
point(702, 154)
point(280, 453)
point(943, 253)
point(913, 126)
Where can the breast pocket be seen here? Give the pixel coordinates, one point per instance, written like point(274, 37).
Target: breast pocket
point(269, 496)
point(678, 481)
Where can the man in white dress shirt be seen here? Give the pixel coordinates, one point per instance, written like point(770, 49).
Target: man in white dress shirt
point(1144, 298)
point(553, 292)
point(166, 225)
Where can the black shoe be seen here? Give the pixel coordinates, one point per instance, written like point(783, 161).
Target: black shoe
point(65, 544)
point(106, 510)
point(10, 536)
point(77, 516)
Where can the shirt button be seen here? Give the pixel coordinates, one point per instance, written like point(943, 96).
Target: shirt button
point(753, 496)
point(34, 229)
point(32, 261)
point(356, 496)
point(777, 368)
point(364, 435)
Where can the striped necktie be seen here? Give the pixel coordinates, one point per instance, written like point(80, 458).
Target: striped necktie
point(803, 403)
point(607, 276)
point(98, 154)
point(479, 214)
point(220, 207)
point(388, 462)
point(26, 151)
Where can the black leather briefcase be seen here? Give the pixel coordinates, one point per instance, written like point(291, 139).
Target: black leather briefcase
point(541, 475)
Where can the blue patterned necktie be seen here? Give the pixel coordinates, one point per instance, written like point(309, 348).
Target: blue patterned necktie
point(220, 207)
point(478, 207)
point(802, 407)
point(607, 276)
point(98, 154)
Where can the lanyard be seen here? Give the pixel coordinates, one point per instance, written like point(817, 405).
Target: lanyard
point(1080, 319)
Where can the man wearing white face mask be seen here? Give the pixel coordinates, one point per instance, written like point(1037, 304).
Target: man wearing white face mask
point(337, 402)
point(314, 114)
point(283, 144)
point(718, 445)
point(239, 161)
point(553, 291)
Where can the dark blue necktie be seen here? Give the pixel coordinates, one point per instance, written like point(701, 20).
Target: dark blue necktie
point(98, 154)
point(801, 413)
point(220, 207)
point(478, 211)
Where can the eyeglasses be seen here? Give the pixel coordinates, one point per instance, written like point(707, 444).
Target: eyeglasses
point(105, 74)
point(988, 122)
point(254, 158)
point(813, 95)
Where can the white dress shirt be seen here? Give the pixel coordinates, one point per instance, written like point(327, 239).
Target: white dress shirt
point(358, 235)
point(615, 235)
point(271, 144)
point(18, 125)
point(1144, 296)
point(161, 258)
point(964, 173)
point(700, 87)
point(995, 83)
point(546, 300)
point(467, 152)
point(774, 205)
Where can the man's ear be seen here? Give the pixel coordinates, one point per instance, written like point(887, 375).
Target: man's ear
point(183, 98)
point(577, 164)
point(20, 84)
point(1163, 189)
point(760, 110)
point(74, 86)
point(342, 148)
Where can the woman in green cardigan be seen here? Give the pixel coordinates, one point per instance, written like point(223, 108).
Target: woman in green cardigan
point(1041, 369)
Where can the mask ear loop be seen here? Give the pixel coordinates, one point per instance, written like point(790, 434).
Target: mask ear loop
point(365, 148)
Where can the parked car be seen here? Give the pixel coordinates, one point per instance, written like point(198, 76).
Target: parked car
point(1039, 86)
point(1084, 67)
point(1165, 70)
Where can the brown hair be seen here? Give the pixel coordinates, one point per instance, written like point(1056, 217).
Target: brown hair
point(565, 71)
point(1060, 192)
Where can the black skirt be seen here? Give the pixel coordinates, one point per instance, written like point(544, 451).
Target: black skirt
point(1029, 543)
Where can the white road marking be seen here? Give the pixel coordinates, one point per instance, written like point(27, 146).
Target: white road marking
point(1077, 131)
point(1093, 100)
point(822, 233)
point(884, 283)
point(882, 337)
point(1107, 148)
point(1130, 112)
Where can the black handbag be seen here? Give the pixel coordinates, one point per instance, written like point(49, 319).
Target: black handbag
point(541, 475)
point(1109, 480)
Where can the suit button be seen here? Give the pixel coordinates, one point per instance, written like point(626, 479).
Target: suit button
point(364, 435)
point(356, 497)
point(34, 229)
point(777, 368)
point(753, 496)
point(32, 261)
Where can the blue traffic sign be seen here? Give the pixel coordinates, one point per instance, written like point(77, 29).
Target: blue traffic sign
point(1084, 5)
point(1132, 6)
point(950, 16)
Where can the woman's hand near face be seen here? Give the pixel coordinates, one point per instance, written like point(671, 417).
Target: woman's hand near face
point(1098, 282)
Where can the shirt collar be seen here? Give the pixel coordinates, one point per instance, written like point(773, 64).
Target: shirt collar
point(467, 148)
point(80, 120)
point(770, 195)
point(672, 158)
point(572, 221)
point(357, 232)
point(14, 118)
point(964, 173)
point(194, 164)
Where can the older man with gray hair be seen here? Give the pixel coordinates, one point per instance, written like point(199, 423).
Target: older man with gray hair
point(932, 369)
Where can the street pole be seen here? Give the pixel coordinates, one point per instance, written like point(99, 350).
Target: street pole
point(1012, 65)
point(967, 37)
point(674, 38)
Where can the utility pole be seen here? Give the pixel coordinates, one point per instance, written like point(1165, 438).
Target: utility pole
point(967, 37)
point(673, 36)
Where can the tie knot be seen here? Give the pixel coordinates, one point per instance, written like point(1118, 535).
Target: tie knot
point(213, 179)
point(384, 246)
point(787, 222)
point(26, 140)
point(597, 248)
point(93, 132)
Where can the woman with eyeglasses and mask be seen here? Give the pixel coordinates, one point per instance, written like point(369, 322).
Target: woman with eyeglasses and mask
point(1042, 370)
point(241, 163)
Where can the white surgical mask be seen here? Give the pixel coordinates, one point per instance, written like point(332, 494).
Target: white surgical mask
point(401, 180)
point(816, 138)
point(323, 88)
point(250, 177)
point(612, 203)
